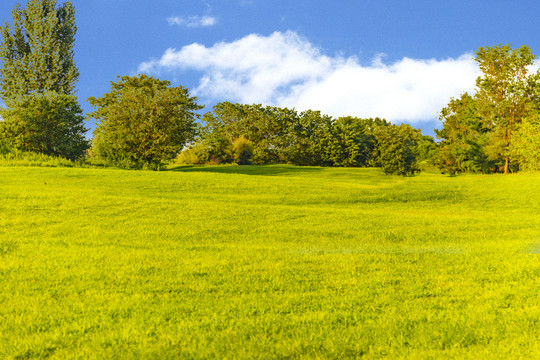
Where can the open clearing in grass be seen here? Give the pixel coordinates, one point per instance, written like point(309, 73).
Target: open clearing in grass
point(266, 262)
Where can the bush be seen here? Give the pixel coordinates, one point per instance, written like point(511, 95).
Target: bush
point(243, 151)
point(14, 157)
point(195, 155)
point(525, 146)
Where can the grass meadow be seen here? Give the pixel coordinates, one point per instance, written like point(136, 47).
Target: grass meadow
point(267, 262)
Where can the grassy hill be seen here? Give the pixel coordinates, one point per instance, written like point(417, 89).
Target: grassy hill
point(267, 262)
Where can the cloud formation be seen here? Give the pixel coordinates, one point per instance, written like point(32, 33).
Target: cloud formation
point(286, 70)
point(192, 21)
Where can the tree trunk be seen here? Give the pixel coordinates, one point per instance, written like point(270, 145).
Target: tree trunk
point(506, 148)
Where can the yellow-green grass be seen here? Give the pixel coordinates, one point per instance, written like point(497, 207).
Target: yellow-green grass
point(267, 262)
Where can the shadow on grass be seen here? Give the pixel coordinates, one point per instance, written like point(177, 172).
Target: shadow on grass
point(264, 170)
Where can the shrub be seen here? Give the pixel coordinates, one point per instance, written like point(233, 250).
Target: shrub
point(525, 146)
point(243, 151)
point(194, 155)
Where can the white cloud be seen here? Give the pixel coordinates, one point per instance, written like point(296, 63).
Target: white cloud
point(193, 21)
point(284, 69)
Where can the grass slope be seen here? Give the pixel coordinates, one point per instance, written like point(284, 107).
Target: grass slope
point(267, 262)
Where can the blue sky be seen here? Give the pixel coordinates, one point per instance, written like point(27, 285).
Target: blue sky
point(397, 59)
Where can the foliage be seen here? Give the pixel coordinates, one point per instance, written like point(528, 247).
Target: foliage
point(198, 153)
point(426, 149)
point(396, 147)
point(37, 81)
point(267, 262)
point(37, 51)
point(10, 156)
point(308, 138)
point(504, 92)
point(243, 151)
point(220, 149)
point(49, 123)
point(15, 157)
point(5, 148)
point(352, 141)
point(525, 146)
point(142, 121)
point(464, 138)
point(478, 130)
point(305, 140)
point(263, 126)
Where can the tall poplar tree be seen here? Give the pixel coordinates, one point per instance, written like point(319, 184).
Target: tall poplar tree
point(38, 70)
point(37, 51)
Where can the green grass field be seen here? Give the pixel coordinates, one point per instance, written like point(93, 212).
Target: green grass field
point(267, 262)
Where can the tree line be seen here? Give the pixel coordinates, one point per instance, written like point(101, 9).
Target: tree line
point(253, 134)
point(142, 121)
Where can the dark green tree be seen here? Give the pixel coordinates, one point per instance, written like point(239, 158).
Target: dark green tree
point(306, 140)
point(37, 50)
point(280, 135)
point(464, 138)
point(142, 121)
point(352, 141)
point(264, 127)
point(48, 123)
point(38, 70)
point(396, 148)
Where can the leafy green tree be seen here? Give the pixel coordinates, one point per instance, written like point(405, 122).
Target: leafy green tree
point(48, 123)
point(142, 121)
point(4, 148)
point(264, 127)
point(426, 149)
point(463, 138)
point(305, 142)
point(504, 93)
point(37, 81)
point(37, 50)
point(352, 141)
point(396, 148)
point(525, 145)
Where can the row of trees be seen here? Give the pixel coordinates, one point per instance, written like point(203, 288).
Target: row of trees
point(498, 128)
point(266, 135)
point(143, 121)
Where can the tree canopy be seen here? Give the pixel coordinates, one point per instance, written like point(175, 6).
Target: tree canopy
point(49, 123)
point(142, 121)
point(37, 50)
point(281, 135)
